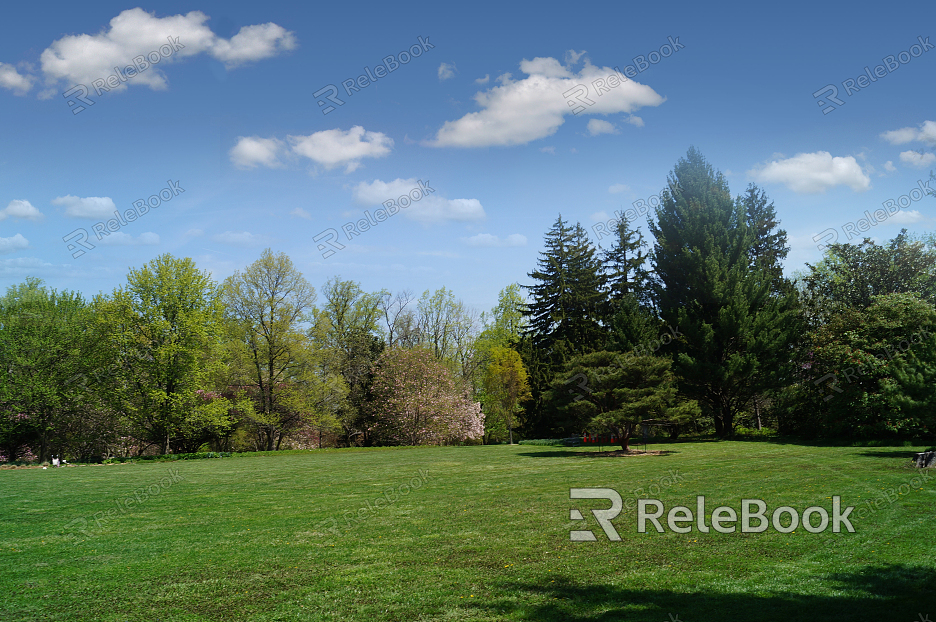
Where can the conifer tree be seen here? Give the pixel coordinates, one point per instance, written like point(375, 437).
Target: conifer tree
point(736, 333)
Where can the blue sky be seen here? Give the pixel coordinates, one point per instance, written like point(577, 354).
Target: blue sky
point(480, 113)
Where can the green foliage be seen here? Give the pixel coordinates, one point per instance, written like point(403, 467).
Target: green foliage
point(506, 386)
point(869, 372)
point(603, 391)
point(268, 307)
point(624, 269)
point(851, 275)
point(568, 302)
point(713, 286)
point(46, 343)
point(164, 329)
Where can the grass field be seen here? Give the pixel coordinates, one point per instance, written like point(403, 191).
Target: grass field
point(467, 533)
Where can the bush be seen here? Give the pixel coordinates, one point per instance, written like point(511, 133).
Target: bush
point(754, 433)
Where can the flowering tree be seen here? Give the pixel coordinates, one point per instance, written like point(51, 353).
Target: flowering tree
point(415, 401)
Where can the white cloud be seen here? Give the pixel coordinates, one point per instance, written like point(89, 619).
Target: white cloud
point(81, 59)
point(301, 213)
point(917, 159)
point(550, 150)
point(889, 167)
point(446, 71)
point(483, 80)
point(193, 233)
point(600, 126)
point(635, 120)
point(119, 238)
point(811, 173)
point(618, 188)
point(906, 217)
point(332, 148)
point(488, 240)
point(88, 207)
point(11, 79)
point(428, 209)
point(253, 43)
point(329, 148)
point(20, 209)
point(926, 134)
point(518, 112)
point(242, 238)
point(9, 245)
point(601, 216)
point(251, 151)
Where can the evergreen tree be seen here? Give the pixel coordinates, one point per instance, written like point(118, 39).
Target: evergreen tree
point(769, 245)
point(623, 266)
point(566, 303)
point(615, 395)
point(736, 333)
point(565, 310)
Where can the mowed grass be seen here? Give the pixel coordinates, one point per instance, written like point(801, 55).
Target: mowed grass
point(482, 535)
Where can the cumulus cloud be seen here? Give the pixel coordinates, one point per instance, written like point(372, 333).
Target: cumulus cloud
point(429, 209)
point(11, 79)
point(9, 245)
point(81, 59)
point(925, 134)
point(87, 207)
point(520, 111)
point(487, 240)
point(618, 188)
point(483, 80)
point(20, 209)
point(889, 167)
point(252, 151)
point(328, 148)
point(906, 217)
point(193, 233)
point(917, 159)
point(600, 126)
point(242, 238)
point(550, 150)
point(120, 238)
point(333, 148)
point(301, 213)
point(811, 173)
point(635, 120)
point(446, 71)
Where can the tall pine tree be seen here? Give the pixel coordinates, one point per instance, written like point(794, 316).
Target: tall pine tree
point(565, 311)
point(736, 333)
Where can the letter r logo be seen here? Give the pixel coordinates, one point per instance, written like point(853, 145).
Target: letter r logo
point(603, 517)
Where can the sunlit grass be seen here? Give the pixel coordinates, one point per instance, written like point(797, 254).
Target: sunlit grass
point(481, 533)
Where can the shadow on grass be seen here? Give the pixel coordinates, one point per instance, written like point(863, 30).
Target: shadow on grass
point(891, 453)
point(895, 592)
point(577, 452)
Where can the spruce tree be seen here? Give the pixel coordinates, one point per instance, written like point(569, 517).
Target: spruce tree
point(624, 267)
point(565, 311)
point(736, 333)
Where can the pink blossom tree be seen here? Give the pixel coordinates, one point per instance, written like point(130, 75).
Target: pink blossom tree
point(415, 401)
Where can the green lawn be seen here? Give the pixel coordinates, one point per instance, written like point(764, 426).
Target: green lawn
point(482, 535)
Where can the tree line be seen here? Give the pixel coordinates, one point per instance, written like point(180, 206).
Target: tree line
point(697, 331)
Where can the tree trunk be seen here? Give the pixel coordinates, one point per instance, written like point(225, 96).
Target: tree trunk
point(43, 447)
point(674, 431)
point(926, 459)
point(757, 412)
point(625, 442)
